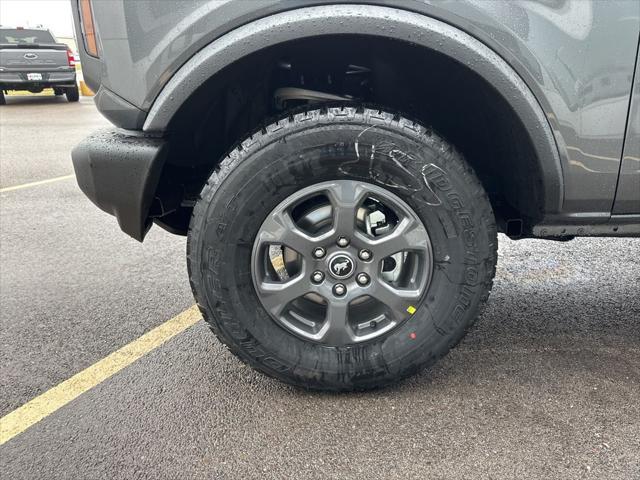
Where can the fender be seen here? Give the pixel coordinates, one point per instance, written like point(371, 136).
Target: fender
point(364, 20)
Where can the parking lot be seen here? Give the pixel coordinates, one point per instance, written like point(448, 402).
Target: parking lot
point(547, 385)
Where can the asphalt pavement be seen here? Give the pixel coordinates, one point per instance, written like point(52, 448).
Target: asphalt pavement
point(547, 384)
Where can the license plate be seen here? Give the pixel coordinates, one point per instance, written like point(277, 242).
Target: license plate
point(34, 76)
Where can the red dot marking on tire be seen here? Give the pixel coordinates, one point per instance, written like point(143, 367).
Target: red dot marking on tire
point(412, 335)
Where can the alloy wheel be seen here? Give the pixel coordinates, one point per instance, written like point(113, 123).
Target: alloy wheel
point(341, 262)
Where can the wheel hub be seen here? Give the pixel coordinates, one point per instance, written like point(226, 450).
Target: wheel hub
point(341, 262)
point(341, 266)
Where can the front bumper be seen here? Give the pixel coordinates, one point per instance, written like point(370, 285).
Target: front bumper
point(119, 171)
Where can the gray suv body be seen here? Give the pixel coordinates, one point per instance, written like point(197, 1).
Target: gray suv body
point(541, 98)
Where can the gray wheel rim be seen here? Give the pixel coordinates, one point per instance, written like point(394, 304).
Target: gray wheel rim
point(341, 292)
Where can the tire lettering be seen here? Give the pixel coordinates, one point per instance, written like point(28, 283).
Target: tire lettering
point(434, 176)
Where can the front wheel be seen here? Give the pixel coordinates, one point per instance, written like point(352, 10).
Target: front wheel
point(342, 249)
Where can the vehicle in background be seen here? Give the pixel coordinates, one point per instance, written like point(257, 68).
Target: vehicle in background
point(342, 170)
point(31, 60)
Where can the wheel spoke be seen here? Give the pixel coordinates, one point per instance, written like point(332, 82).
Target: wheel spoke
point(345, 199)
point(408, 235)
point(279, 228)
point(276, 296)
point(336, 330)
point(396, 299)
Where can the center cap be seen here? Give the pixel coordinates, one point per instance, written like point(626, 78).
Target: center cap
point(341, 266)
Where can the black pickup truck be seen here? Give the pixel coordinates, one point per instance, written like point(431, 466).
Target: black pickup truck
point(32, 59)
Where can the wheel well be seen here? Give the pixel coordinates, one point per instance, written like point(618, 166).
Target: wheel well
point(428, 86)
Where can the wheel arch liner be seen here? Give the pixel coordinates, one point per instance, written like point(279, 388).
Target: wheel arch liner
point(365, 20)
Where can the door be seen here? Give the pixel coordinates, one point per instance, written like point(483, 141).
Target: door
point(628, 193)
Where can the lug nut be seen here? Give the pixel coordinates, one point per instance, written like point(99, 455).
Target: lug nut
point(365, 255)
point(362, 279)
point(317, 277)
point(339, 290)
point(319, 252)
point(343, 242)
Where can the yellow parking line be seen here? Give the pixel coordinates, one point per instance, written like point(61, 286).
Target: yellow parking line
point(44, 405)
point(34, 184)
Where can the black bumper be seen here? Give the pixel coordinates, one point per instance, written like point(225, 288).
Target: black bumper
point(34, 86)
point(119, 172)
point(17, 80)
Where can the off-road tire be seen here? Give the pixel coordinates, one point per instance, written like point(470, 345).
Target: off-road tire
point(311, 147)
